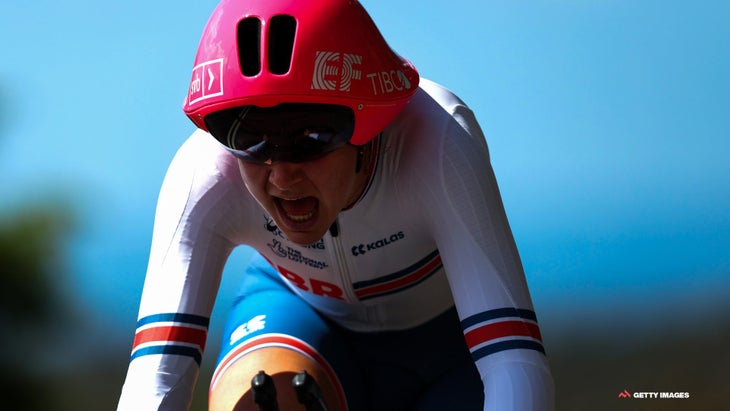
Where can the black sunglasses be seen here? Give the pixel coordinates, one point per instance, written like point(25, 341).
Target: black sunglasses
point(292, 132)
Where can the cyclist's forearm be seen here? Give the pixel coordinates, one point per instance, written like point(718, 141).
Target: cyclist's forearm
point(519, 381)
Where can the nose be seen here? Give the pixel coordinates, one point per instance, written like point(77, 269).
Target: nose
point(285, 176)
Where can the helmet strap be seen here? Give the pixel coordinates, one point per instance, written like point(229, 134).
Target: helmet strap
point(364, 157)
point(360, 155)
point(362, 152)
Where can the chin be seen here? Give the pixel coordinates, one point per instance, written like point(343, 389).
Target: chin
point(304, 239)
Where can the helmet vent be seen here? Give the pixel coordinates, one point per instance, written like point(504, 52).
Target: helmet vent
point(249, 46)
point(281, 43)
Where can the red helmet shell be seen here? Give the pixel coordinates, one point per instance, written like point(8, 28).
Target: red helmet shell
point(338, 57)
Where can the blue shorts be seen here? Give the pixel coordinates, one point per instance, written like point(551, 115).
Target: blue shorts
point(428, 367)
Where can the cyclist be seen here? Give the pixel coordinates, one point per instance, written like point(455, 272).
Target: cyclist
point(385, 266)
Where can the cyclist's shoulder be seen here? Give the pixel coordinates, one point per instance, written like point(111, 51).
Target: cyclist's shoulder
point(440, 93)
point(199, 145)
point(200, 154)
point(435, 117)
point(200, 168)
point(431, 112)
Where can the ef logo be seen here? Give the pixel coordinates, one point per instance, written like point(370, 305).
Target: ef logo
point(335, 71)
point(256, 323)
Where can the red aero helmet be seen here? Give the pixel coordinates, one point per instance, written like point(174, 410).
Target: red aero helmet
point(267, 52)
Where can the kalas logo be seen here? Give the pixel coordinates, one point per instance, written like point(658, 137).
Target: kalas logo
point(364, 248)
point(624, 394)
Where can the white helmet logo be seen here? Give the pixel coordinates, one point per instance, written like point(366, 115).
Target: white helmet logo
point(335, 71)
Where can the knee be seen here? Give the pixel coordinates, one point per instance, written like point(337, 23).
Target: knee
point(231, 387)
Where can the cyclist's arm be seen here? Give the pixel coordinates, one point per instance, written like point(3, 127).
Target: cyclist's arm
point(189, 249)
point(483, 267)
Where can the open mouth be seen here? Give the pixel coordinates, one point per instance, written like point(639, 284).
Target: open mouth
point(299, 210)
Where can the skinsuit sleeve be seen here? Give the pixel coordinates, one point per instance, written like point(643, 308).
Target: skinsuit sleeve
point(191, 241)
point(449, 170)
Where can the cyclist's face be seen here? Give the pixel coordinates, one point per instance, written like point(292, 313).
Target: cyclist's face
point(304, 199)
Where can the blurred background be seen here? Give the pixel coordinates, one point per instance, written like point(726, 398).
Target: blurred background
point(609, 128)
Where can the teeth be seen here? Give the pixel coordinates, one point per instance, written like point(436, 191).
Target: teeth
point(299, 218)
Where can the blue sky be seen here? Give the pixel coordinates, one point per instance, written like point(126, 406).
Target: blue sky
point(607, 123)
